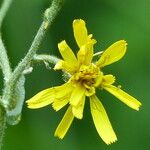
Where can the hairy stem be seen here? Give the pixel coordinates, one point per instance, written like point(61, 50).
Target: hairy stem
point(2, 125)
point(14, 116)
point(4, 62)
point(5, 66)
point(50, 15)
point(46, 58)
point(14, 92)
point(3, 10)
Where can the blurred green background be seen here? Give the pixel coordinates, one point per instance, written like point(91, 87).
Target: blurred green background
point(109, 21)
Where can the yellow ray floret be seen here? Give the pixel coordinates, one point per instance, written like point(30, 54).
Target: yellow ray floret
point(66, 51)
point(64, 124)
point(59, 96)
point(101, 121)
point(124, 97)
point(115, 52)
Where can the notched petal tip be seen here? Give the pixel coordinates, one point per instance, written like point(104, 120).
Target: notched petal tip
point(33, 106)
point(123, 41)
point(58, 136)
point(54, 107)
point(78, 21)
point(58, 104)
point(65, 124)
point(41, 99)
point(138, 106)
point(108, 80)
point(112, 141)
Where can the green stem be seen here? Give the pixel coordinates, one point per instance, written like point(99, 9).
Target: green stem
point(4, 62)
point(50, 15)
point(3, 10)
point(2, 125)
point(14, 116)
point(46, 58)
point(5, 66)
point(13, 93)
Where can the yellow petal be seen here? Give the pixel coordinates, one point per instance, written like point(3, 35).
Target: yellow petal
point(63, 65)
point(108, 79)
point(63, 90)
point(41, 99)
point(77, 94)
point(123, 96)
point(115, 52)
point(70, 63)
point(64, 124)
point(67, 53)
point(59, 65)
point(78, 110)
point(85, 54)
point(101, 121)
point(62, 95)
point(80, 32)
point(60, 103)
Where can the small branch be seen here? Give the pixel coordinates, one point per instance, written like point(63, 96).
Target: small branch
point(4, 62)
point(3, 10)
point(27, 71)
point(46, 58)
point(50, 15)
point(14, 92)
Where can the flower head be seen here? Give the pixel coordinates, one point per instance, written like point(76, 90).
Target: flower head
point(85, 76)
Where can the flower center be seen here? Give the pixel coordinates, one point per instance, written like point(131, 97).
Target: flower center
point(88, 76)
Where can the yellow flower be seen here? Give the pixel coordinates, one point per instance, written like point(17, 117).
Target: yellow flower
point(85, 76)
